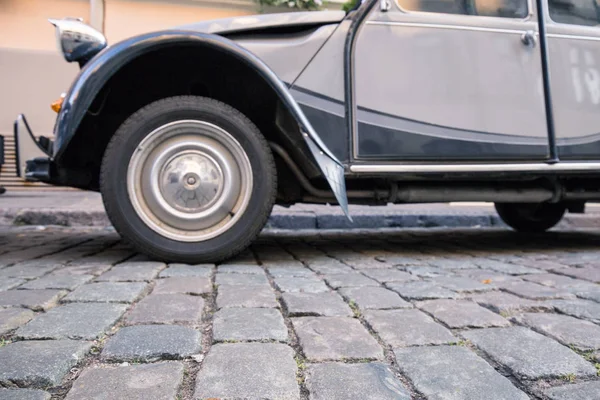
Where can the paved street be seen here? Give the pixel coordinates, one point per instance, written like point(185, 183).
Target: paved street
point(389, 314)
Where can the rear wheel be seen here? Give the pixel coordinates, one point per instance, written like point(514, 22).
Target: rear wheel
point(531, 217)
point(188, 179)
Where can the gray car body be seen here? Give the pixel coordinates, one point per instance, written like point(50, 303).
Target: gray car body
point(469, 91)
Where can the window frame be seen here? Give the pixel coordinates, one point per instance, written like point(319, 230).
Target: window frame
point(527, 17)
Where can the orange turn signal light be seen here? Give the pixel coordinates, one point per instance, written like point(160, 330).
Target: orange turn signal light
point(57, 104)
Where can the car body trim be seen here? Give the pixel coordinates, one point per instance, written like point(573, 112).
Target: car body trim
point(445, 26)
point(350, 102)
point(572, 37)
point(449, 167)
point(552, 147)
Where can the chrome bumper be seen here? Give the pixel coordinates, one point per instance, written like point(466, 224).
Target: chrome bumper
point(27, 149)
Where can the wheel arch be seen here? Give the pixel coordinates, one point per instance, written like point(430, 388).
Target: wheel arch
point(94, 80)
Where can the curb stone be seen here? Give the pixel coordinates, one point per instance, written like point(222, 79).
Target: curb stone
point(301, 220)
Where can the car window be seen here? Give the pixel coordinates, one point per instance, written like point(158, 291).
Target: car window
point(575, 12)
point(488, 8)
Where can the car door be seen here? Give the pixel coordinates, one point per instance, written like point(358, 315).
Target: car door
point(449, 80)
point(573, 33)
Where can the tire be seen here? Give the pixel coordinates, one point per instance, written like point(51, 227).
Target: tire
point(188, 179)
point(531, 217)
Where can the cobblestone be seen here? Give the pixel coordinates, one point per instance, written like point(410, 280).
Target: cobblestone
point(84, 269)
point(23, 394)
point(427, 272)
point(374, 298)
point(11, 318)
point(589, 295)
point(203, 270)
point(303, 285)
point(591, 274)
point(337, 381)
point(389, 275)
point(462, 314)
point(570, 331)
point(537, 292)
point(240, 269)
point(528, 354)
point(9, 283)
point(279, 272)
point(454, 373)
point(39, 364)
point(506, 303)
point(131, 273)
point(422, 291)
point(52, 281)
point(27, 271)
point(187, 285)
point(249, 324)
point(327, 304)
point(578, 391)
point(399, 328)
point(329, 267)
point(245, 296)
point(148, 382)
point(345, 314)
point(167, 309)
point(507, 268)
point(152, 342)
point(107, 292)
point(351, 279)
point(560, 281)
point(36, 300)
point(229, 371)
point(460, 284)
point(241, 279)
point(73, 321)
point(335, 338)
point(453, 264)
point(578, 308)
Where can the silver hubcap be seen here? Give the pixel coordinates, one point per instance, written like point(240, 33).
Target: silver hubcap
point(189, 180)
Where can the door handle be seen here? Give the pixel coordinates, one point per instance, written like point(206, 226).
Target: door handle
point(528, 38)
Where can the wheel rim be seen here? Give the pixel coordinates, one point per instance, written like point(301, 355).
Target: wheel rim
point(189, 180)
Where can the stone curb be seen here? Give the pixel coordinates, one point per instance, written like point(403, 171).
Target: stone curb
point(303, 220)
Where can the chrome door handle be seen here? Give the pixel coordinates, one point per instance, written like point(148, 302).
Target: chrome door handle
point(528, 38)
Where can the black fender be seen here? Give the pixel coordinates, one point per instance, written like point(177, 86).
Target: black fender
point(96, 73)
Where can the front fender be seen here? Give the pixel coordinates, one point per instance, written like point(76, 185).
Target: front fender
point(96, 73)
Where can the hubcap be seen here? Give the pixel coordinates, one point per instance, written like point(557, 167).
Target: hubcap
point(189, 180)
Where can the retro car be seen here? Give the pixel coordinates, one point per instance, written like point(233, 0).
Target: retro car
point(193, 134)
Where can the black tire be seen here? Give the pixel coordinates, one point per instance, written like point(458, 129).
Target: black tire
point(529, 217)
point(127, 221)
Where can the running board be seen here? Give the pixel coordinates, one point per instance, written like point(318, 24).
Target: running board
point(445, 168)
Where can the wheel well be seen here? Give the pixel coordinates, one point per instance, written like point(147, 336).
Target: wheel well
point(183, 70)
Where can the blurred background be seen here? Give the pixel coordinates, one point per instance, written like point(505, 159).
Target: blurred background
point(33, 74)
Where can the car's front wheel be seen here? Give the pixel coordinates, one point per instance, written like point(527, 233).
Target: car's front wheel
point(188, 179)
point(531, 217)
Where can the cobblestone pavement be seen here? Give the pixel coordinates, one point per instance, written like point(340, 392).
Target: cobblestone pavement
point(421, 314)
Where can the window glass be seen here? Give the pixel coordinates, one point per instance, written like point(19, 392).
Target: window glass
point(576, 12)
point(488, 8)
point(501, 8)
